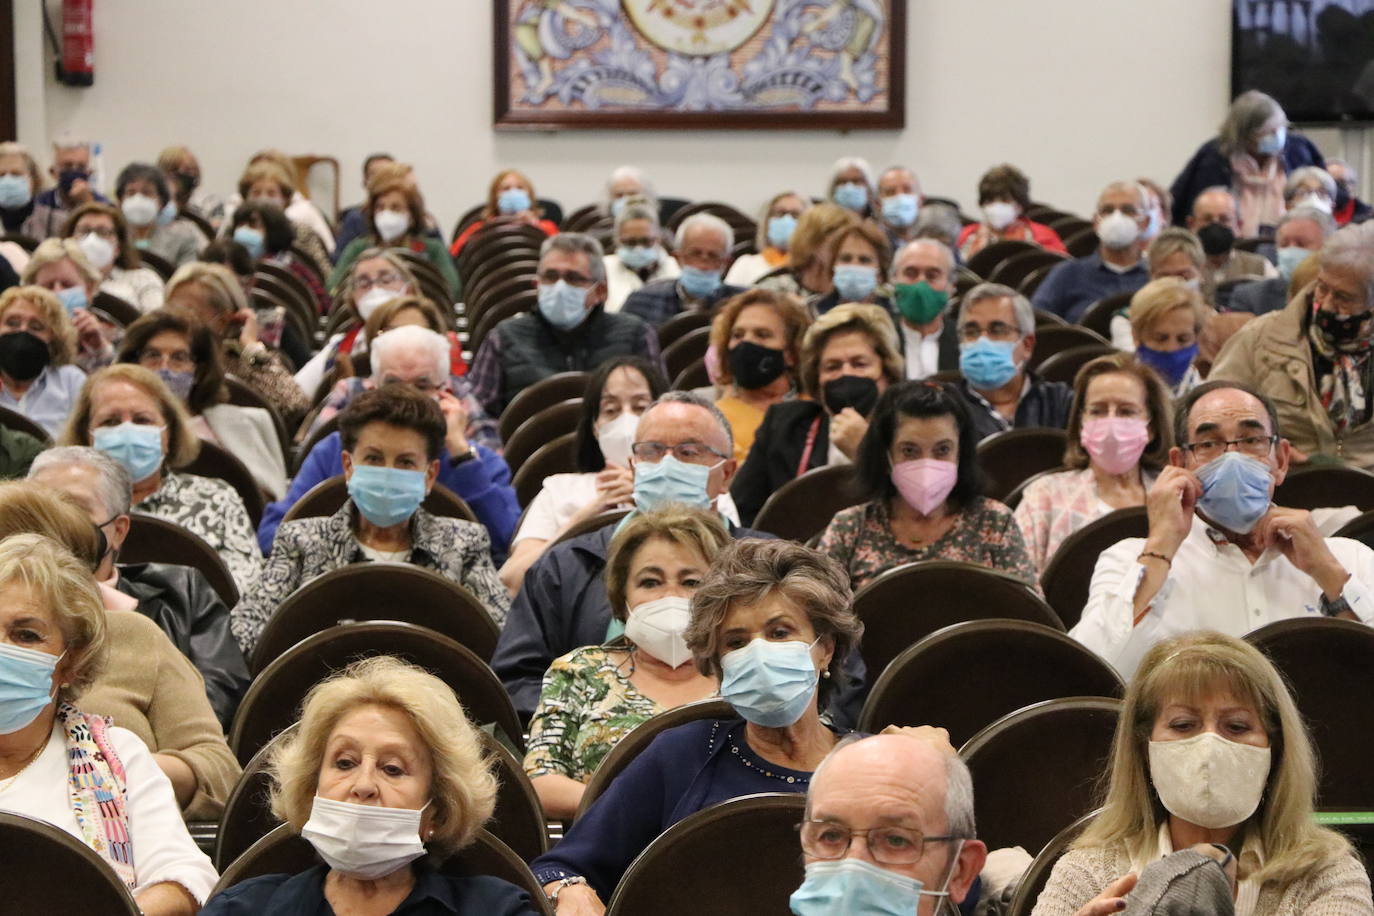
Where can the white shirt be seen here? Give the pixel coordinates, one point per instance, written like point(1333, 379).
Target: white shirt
point(922, 352)
point(163, 850)
point(1212, 586)
point(621, 281)
point(564, 494)
point(140, 287)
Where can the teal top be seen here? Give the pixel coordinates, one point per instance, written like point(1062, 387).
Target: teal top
point(433, 250)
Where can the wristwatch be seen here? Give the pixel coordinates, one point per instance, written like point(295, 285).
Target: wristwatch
point(1335, 608)
point(457, 460)
point(565, 883)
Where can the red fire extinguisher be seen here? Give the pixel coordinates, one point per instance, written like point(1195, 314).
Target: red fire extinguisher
point(76, 64)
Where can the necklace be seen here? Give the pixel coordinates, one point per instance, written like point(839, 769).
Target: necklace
point(740, 756)
point(9, 780)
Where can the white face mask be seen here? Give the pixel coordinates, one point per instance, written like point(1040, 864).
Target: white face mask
point(98, 251)
point(390, 224)
point(1209, 780)
point(365, 841)
point(370, 300)
point(616, 437)
point(139, 209)
point(1000, 214)
point(1117, 230)
point(658, 626)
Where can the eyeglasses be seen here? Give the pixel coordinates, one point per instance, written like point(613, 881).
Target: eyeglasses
point(1254, 446)
point(998, 330)
point(890, 845)
point(1130, 210)
point(386, 280)
point(686, 452)
point(1346, 302)
point(154, 359)
point(103, 232)
point(571, 277)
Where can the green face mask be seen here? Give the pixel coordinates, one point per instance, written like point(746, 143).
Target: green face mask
point(918, 302)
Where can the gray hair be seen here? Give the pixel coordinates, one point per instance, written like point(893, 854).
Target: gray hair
point(1135, 187)
point(1248, 113)
point(629, 171)
point(1352, 249)
point(704, 221)
point(1217, 189)
point(115, 487)
point(1323, 220)
point(1298, 176)
point(938, 245)
point(939, 221)
point(845, 163)
point(577, 243)
point(1352, 176)
point(696, 400)
point(637, 208)
point(70, 141)
point(1025, 313)
point(411, 335)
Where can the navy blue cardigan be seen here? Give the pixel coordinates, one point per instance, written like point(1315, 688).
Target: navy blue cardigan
point(1209, 168)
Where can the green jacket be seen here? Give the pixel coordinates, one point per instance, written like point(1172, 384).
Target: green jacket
point(433, 250)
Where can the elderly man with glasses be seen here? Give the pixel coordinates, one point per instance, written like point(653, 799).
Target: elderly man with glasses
point(702, 249)
point(568, 331)
point(1219, 554)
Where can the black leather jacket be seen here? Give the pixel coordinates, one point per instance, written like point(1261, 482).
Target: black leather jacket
point(180, 600)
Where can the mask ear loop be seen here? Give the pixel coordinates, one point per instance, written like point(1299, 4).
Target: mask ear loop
point(945, 901)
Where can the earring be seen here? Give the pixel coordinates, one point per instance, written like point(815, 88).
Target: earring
point(825, 673)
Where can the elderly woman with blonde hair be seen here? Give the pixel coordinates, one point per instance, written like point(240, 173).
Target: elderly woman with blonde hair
point(1167, 316)
point(1210, 749)
point(37, 345)
point(61, 267)
point(384, 770)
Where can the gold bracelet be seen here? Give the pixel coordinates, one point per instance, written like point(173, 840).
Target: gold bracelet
point(1168, 561)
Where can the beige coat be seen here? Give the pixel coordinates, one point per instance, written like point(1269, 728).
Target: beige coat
point(1272, 355)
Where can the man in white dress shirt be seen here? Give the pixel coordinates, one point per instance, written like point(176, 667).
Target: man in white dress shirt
point(1220, 555)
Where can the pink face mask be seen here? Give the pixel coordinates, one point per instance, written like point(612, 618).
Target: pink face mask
point(1115, 443)
point(925, 483)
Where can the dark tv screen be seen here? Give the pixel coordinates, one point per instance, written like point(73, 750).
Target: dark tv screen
point(1316, 57)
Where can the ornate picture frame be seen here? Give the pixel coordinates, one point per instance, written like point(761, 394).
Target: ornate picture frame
point(668, 64)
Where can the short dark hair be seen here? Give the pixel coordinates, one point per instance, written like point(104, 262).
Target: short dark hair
point(1184, 407)
point(1004, 180)
point(367, 163)
point(142, 171)
point(399, 405)
point(277, 234)
point(231, 254)
point(208, 388)
point(589, 457)
point(917, 399)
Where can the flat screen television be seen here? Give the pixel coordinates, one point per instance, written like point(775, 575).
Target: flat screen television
point(1316, 57)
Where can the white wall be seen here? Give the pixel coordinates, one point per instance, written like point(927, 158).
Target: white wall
point(1076, 92)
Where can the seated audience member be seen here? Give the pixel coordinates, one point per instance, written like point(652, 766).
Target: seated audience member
point(777, 222)
point(1176, 253)
point(418, 359)
point(71, 169)
point(61, 764)
point(702, 249)
point(1214, 219)
point(1251, 155)
point(378, 276)
point(179, 599)
point(182, 169)
point(1349, 208)
point(1310, 186)
point(625, 184)
point(103, 234)
point(1313, 357)
point(848, 357)
point(1118, 265)
point(352, 221)
point(510, 199)
point(269, 181)
point(568, 331)
point(852, 186)
point(435, 357)
point(1301, 233)
point(1210, 748)
point(562, 604)
point(1219, 554)
point(617, 395)
point(1004, 197)
point(756, 339)
point(1120, 432)
point(639, 257)
point(997, 337)
point(129, 414)
point(21, 186)
point(899, 205)
point(807, 273)
point(37, 341)
point(595, 695)
point(265, 232)
point(148, 208)
point(60, 266)
point(391, 442)
point(940, 221)
point(1160, 206)
point(1166, 318)
point(859, 257)
point(912, 802)
point(385, 776)
point(918, 467)
point(396, 219)
point(922, 279)
point(18, 449)
point(214, 294)
point(765, 607)
point(180, 350)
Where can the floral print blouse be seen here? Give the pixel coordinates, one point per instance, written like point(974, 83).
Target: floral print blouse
point(587, 705)
point(860, 539)
point(213, 511)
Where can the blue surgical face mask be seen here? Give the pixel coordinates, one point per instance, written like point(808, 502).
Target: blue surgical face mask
point(386, 496)
point(900, 210)
point(72, 298)
point(1172, 365)
point(769, 683)
point(14, 192)
point(855, 282)
point(852, 885)
point(780, 229)
point(167, 214)
point(250, 238)
point(135, 445)
point(671, 481)
point(637, 257)
point(852, 196)
point(1272, 144)
point(988, 364)
point(617, 205)
point(513, 200)
point(699, 283)
point(26, 686)
point(1235, 491)
point(1290, 256)
point(564, 305)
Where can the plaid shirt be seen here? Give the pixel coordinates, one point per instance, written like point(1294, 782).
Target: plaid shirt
point(660, 300)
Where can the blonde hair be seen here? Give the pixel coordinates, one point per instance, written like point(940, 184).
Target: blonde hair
point(1186, 668)
point(225, 292)
point(463, 790)
point(183, 445)
point(1158, 298)
point(10, 148)
point(815, 226)
point(693, 529)
point(1173, 240)
point(267, 169)
point(872, 320)
point(62, 347)
point(388, 310)
point(54, 251)
point(791, 312)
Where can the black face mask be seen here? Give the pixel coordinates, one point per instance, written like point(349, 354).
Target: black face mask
point(23, 356)
point(1342, 330)
point(1216, 239)
point(754, 365)
point(851, 391)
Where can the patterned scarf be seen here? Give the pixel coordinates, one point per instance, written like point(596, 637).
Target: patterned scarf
point(98, 789)
point(1344, 375)
point(1259, 195)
